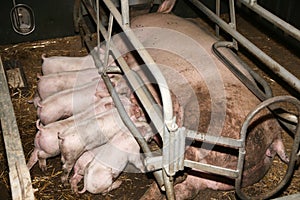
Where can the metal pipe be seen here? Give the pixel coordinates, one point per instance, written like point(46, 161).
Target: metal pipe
point(162, 84)
point(283, 115)
point(166, 97)
point(143, 95)
point(293, 155)
point(266, 87)
point(273, 65)
point(130, 125)
point(248, 83)
point(125, 12)
point(286, 27)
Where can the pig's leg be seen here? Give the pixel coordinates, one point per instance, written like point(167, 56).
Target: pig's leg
point(66, 168)
point(137, 161)
point(166, 6)
point(153, 193)
point(33, 158)
point(113, 186)
point(190, 187)
point(145, 130)
point(42, 156)
point(74, 182)
point(78, 175)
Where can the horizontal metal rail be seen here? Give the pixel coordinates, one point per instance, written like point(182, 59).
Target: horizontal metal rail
point(283, 25)
point(288, 77)
point(212, 169)
point(218, 140)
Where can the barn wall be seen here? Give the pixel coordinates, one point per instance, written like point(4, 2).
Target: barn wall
point(53, 18)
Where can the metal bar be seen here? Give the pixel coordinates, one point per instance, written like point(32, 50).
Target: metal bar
point(125, 12)
point(162, 84)
point(107, 49)
point(273, 65)
point(127, 121)
point(283, 115)
point(286, 27)
point(218, 140)
point(151, 110)
point(19, 176)
point(233, 21)
point(211, 169)
point(293, 155)
point(218, 8)
point(166, 97)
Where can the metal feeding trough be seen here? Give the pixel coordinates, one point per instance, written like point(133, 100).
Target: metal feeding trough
point(22, 19)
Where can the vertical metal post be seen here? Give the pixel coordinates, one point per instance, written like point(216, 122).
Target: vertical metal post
point(125, 12)
point(233, 21)
point(107, 49)
point(218, 7)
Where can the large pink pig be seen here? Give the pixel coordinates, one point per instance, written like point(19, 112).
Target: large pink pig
point(214, 100)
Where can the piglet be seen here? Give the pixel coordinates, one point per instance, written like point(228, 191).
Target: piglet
point(55, 64)
point(46, 139)
point(71, 101)
point(110, 160)
point(92, 133)
point(56, 82)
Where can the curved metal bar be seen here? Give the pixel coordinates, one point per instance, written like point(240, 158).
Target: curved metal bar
point(287, 119)
point(266, 87)
point(248, 83)
point(293, 155)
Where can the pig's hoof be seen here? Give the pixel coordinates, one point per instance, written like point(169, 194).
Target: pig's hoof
point(43, 168)
point(64, 181)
